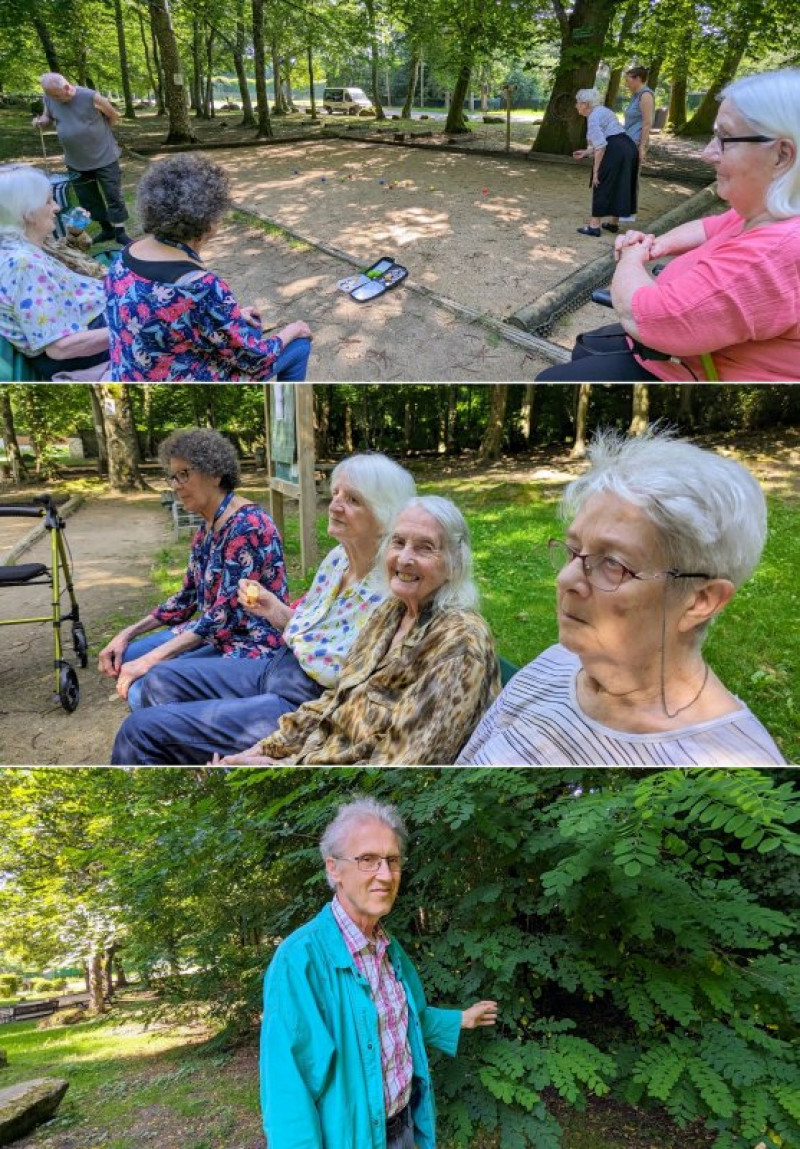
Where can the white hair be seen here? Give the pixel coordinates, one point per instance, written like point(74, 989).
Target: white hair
point(383, 484)
point(770, 102)
point(352, 814)
point(23, 190)
point(54, 80)
point(459, 591)
point(589, 96)
point(710, 512)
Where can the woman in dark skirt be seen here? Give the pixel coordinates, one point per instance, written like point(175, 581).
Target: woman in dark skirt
point(615, 167)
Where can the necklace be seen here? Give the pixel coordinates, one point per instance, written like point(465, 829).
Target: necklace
point(680, 710)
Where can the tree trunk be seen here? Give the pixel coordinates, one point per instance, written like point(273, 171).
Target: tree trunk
point(34, 406)
point(161, 109)
point(413, 68)
point(583, 35)
point(374, 58)
point(527, 417)
point(676, 115)
point(581, 418)
point(654, 72)
point(108, 963)
point(180, 130)
point(129, 113)
point(702, 122)
point(322, 421)
point(155, 82)
point(310, 58)
point(96, 393)
point(195, 88)
point(456, 120)
point(209, 108)
point(612, 91)
point(248, 119)
point(10, 437)
point(260, 64)
point(122, 980)
point(452, 419)
point(492, 440)
point(279, 108)
point(149, 443)
point(348, 429)
point(123, 450)
point(685, 412)
point(96, 1002)
point(46, 40)
point(640, 410)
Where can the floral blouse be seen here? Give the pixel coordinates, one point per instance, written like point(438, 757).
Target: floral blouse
point(327, 620)
point(41, 300)
point(177, 331)
point(246, 546)
point(414, 705)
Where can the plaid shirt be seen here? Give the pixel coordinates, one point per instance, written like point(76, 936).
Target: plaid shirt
point(389, 996)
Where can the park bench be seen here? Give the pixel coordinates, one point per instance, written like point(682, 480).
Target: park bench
point(182, 520)
point(27, 1009)
point(507, 670)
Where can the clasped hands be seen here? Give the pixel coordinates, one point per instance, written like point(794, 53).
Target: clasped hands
point(639, 247)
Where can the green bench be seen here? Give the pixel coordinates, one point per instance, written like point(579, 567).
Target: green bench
point(507, 670)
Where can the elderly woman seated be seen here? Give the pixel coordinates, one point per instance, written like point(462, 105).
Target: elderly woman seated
point(661, 533)
point(190, 712)
point(421, 672)
point(728, 306)
point(239, 540)
point(48, 312)
point(170, 317)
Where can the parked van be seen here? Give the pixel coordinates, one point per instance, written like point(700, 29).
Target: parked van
point(350, 101)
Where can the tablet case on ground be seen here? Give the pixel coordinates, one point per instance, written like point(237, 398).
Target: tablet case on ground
point(383, 275)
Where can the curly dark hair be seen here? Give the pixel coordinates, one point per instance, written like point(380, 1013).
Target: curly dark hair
point(182, 197)
point(206, 450)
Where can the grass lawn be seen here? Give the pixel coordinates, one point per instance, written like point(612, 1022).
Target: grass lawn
point(131, 1086)
point(754, 654)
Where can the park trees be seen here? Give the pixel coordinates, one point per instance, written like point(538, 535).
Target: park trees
point(639, 928)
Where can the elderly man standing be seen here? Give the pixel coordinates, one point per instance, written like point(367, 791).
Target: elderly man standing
point(83, 120)
point(346, 1024)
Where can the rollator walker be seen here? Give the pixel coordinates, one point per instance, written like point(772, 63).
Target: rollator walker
point(66, 687)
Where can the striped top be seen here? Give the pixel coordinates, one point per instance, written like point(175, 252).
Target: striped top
point(537, 720)
point(389, 996)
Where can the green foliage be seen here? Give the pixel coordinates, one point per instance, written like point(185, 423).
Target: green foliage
point(9, 984)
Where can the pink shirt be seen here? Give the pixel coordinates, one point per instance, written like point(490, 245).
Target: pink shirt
point(737, 296)
point(389, 996)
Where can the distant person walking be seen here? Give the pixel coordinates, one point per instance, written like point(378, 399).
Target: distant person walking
point(83, 120)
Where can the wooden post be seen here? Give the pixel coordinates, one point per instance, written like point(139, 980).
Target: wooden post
point(508, 89)
point(275, 497)
point(303, 489)
point(304, 423)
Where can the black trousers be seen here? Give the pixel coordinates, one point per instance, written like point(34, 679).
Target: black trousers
point(603, 355)
point(99, 191)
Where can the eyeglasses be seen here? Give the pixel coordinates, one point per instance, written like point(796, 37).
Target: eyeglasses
point(178, 478)
point(371, 863)
point(602, 571)
point(722, 140)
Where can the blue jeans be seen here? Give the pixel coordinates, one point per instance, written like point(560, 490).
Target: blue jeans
point(292, 363)
point(193, 710)
point(142, 646)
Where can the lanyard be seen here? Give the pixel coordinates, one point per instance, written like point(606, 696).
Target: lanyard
point(205, 548)
point(182, 247)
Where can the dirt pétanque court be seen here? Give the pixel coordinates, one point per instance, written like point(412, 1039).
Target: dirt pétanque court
point(481, 236)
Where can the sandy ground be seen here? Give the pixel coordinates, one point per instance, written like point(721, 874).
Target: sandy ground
point(493, 233)
point(113, 541)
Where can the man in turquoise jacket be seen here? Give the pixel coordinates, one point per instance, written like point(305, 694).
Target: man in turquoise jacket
point(346, 1024)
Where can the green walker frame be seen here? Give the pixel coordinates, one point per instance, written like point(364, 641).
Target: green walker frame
point(66, 686)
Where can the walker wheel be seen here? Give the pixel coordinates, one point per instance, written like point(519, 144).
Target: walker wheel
point(81, 645)
point(69, 691)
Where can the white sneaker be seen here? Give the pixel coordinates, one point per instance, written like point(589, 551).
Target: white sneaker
point(627, 219)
